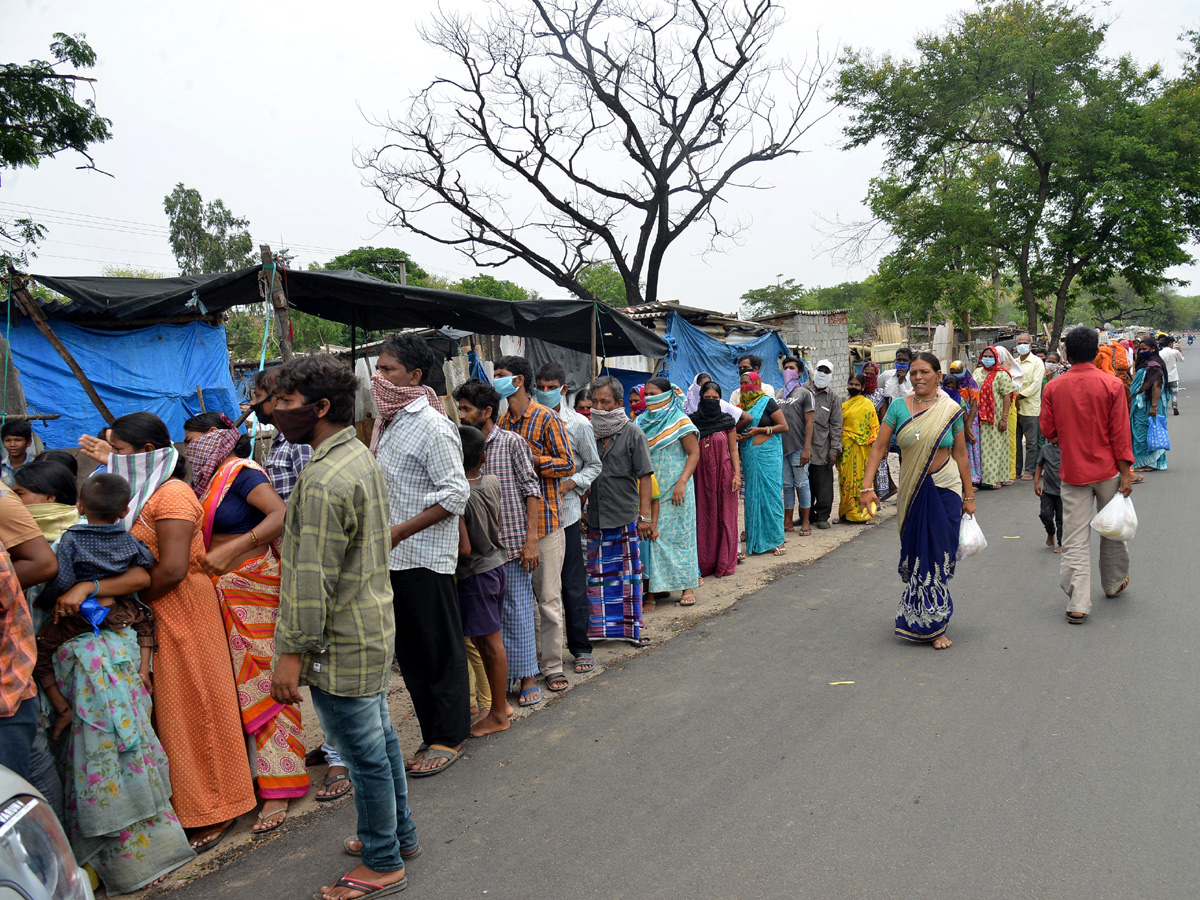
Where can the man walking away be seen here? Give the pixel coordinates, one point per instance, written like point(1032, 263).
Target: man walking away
point(1087, 412)
point(1029, 406)
point(336, 624)
point(419, 450)
point(1171, 356)
point(551, 380)
point(826, 441)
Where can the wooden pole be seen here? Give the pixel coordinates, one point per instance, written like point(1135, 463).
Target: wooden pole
point(30, 308)
point(271, 288)
point(200, 394)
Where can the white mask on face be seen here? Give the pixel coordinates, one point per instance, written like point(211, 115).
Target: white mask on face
point(822, 379)
point(1022, 349)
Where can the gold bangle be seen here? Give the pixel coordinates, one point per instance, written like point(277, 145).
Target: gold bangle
point(254, 538)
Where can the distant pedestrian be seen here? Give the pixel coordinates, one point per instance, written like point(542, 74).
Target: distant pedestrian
point(797, 406)
point(968, 390)
point(826, 442)
point(860, 427)
point(1047, 484)
point(1086, 412)
point(995, 398)
point(896, 382)
point(761, 449)
point(885, 486)
point(1149, 401)
point(1029, 407)
point(718, 479)
point(1172, 357)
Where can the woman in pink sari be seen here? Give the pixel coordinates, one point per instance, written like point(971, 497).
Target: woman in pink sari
point(243, 519)
point(718, 479)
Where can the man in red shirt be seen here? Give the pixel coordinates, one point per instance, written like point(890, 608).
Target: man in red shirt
point(1087, 412)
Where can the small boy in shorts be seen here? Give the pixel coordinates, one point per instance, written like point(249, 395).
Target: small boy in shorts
point(102, 548)
point(480, 578)
point(1048, 485)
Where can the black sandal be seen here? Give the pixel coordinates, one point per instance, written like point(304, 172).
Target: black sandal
point(331, 780)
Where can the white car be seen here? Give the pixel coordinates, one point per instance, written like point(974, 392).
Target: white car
point(36, 862)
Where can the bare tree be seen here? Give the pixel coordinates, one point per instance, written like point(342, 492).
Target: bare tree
point(614, 127)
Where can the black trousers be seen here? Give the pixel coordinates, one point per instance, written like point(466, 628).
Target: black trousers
point(432, 653)
point(820, 480)
point(1028, 432)
point(1052, 515)
point(574, 592)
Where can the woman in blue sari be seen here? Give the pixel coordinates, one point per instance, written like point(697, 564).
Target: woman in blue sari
point(934, 471)
point(762, 467)
point(670, 560)
point(1149, 396)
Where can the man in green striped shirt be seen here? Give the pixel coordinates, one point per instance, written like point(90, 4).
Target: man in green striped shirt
point(336, 630)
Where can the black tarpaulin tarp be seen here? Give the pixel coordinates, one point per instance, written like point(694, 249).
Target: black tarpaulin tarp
point(353, 298)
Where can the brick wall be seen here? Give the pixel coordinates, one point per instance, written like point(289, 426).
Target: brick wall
point(825, 336)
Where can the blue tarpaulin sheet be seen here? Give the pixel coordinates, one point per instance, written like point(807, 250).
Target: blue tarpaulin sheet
point(692, 351)
point(153, 369)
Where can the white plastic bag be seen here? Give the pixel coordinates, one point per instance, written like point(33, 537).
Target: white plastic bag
point(1117, 521)
point(970, 538)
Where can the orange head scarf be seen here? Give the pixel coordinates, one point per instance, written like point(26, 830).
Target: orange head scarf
point(1104, 359)
point(1120, 359)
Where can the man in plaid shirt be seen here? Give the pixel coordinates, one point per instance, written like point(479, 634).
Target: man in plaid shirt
point(553, 462)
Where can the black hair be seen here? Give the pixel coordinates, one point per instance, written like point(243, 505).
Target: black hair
point(473, 443)
point(707, 378)
point(62, 457)
point(854, 376)
point(19, 428)
point(613, 384)
point(946, 381)
point(552, 371)
point(1166, 341)
point(907, 351)
point(322, 377)
point(141, 428)
point(710, 383)
point(48, 478)
point(413, 353)
point(102, 433)
point(480, 395)
point(755, 361)
point(104, 496)
point(791, 359)
point(1050, 353)
point(265, 380)
point(585, 393)
point(1082, 344)
point(930, 358)
point(207, 421)
point(661, 383)
point(517, 365)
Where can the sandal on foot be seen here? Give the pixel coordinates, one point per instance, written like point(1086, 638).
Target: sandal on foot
point(330, 781)
point(1124, 584)
point(584, 663)
point(557, 682)
point(259, 832)
point(409, 763)
point(688, 598)
point(449, 754)
point(350, 851)
point(1077, 618)
point(368, 888)
point(212, 842)
point(530, 696)
point(805, 532)
point(779, 551)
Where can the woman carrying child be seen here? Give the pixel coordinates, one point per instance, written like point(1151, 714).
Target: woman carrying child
point(243, 518)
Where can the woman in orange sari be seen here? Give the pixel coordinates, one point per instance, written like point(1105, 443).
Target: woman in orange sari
point(1120, 365)
point(243, 518)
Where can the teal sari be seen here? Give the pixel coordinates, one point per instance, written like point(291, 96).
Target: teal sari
point(762, 474)
point(1139, 421)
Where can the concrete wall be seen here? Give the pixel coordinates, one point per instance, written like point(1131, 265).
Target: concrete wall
point(824, 335)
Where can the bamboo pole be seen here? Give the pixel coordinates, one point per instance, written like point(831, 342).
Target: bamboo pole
point(272, 290)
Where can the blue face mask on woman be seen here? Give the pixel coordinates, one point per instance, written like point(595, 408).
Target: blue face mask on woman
point(988, 361)
point(550, 398)
point(504, 385)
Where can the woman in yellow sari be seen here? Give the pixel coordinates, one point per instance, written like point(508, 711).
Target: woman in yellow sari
point(243, 518)
point(860, 427)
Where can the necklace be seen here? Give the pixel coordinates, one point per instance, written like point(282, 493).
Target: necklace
point(477, 480)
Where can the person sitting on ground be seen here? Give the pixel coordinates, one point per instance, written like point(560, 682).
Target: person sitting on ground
point(480, 578)
point(17, 436)
point(1048, 485)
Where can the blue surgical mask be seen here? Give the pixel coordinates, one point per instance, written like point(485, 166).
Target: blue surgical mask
point(988, 361)
point(1022, 349)
point(504, 385)
point(548, 398)
point(901, 367)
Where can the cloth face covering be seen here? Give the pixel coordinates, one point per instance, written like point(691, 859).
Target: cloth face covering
point(607, 422)
point(145, 473)
point(752, 390)
point(389, 400)
point(821, 380)
point(205, 455)
point(296, 425)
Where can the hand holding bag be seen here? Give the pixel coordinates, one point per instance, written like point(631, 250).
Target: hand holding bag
point(1157, 437)
point(970, 538)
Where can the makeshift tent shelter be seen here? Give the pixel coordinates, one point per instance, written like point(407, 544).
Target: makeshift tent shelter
point(692, 352)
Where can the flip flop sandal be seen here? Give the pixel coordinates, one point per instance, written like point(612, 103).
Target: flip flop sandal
point(331, 780)
point(409, 763)
point(584, 663)
point(451, 757)
point(204, 848)
point(368, 888)
point(262, 818)
point(404, 854)
point(1124, 584)
point(1077, 620)
point(557, 682)
point(528, 697)
point(685, 600)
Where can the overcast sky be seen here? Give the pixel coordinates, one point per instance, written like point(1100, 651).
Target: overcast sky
point(261, 104)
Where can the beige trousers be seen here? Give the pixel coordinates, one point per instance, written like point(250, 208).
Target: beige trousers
point(548, 615)
point(481, 691)
point(1080, 503)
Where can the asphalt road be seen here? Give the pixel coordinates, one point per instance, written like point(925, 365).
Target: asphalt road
point(1032, 759)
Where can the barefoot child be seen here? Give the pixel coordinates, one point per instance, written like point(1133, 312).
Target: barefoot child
point(480, 578)
point(1047, 485)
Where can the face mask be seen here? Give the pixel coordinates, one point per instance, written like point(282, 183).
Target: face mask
point(988, 361)
point(853, 392)
point(260, 415)
point(504, 385)
point(548, 398)
point(296, 425)
point(1052, 367)
point(901, 367)
point(1022, 349)
point(584, 411)
point(821, 379)
point(710, 406)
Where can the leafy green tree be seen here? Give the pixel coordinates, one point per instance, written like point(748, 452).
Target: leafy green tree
point(383, 263)
point(1063, 164)
point(774, 298)
point(41, 116)
point(207, 237)
point(603, 282)
point(490, 286)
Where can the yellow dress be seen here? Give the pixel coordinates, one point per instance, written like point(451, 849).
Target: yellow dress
point(860, 427)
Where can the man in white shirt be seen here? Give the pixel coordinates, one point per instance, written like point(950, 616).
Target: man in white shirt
point(1171, 357)
point(747, 363)
point(895, 383)
point(1029, 406)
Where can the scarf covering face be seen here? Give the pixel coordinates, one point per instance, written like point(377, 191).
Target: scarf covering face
point(987, 397)
point(709, 418)
point(791, 381)
point(53, 518)
point(870, 377)
point(205, 455)
point(752, 391)
point(953, 394)
point(146, 473)
point(664, 420)
point(607, 422)
point(391, 398)
point(637, 399)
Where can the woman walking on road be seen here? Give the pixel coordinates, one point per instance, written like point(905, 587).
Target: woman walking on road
point(995, 400)
point(1149, 398)
point(933, 474)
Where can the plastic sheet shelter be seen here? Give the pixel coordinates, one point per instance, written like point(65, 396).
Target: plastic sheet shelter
point(693, 351)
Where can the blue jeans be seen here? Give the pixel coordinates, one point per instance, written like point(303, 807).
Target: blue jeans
point(795, 482)
point(360, 729)
point(16, 737)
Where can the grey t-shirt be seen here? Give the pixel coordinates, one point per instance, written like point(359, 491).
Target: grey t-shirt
point(1050, 459)
point(613, 501)
point(794, 410)
point(482, 519)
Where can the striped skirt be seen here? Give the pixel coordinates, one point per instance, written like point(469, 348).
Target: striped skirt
point(614, 579)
